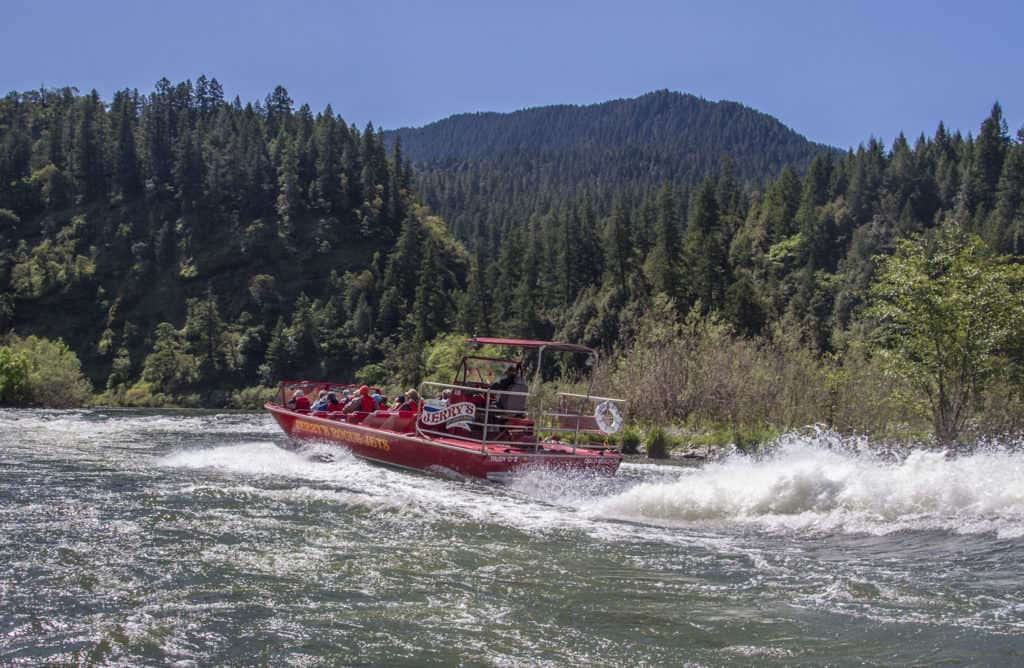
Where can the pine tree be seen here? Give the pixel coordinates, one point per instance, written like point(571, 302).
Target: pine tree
point(987, 164)
point(88, 162)
point(157, 128)
point(474, 304)
point(704, 249)
point(279, 111)
point(431, 307)
point(399, 281)
point(1006, 230)
point(662, 266)
point(205, 333)
point(127, 182)
point(396, 209)
point(187, 171)
point(288, 189)
point(618, 250)
point(325, 192)
point(866, 173)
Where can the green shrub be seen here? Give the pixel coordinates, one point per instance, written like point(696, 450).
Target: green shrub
point(139, 394)
point(698, 370)
point(659, 443)
point(631, 438)
point(752, 439)
point(372, 374)
point(251, 398)
point(14, 373)
point(54, 376)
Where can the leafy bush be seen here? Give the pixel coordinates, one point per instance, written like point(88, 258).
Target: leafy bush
point(14, 373)
point(372, 374)
point(54, 378)
point(659, 443)
point(251, 398)
point(698, 371)
point(442, 356)
point(631, 438)
point(864, 397)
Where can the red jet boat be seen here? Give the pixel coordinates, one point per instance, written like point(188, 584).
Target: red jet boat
point(475, 427)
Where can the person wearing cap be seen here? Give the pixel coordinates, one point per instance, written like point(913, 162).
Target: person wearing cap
point(362, 402)
point(377, 399)
point(300, 401)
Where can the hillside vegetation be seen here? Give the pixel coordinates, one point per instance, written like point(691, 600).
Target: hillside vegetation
point(186, 247)
point(200, 245)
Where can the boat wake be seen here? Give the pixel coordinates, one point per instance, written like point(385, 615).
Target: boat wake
point(822, 483)
point(819, 484)
point(264, 459)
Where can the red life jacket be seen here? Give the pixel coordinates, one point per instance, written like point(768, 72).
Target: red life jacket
point(334, 406)
point(302, 403)
point(367, 404)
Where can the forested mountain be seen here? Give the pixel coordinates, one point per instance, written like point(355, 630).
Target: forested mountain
point(485, 173)
point(203, 245)
point(791, 248)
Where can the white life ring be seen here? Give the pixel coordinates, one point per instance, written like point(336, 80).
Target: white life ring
point(608, 417)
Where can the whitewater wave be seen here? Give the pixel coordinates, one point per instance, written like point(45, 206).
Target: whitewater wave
point(808, 483)
point(264, 459)
point(815, 483)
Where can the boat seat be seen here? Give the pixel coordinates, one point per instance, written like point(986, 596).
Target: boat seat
point(376, 419)
point(515, 403)
point(357, 417)
point(519, 424)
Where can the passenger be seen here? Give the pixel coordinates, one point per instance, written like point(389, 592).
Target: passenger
point(333, 404)
point(300, 401)
point(412, 401)
point(321, 401)
point(362, 403)
point(377, 399)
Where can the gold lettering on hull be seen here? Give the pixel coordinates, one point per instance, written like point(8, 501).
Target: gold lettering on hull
point(339, 434)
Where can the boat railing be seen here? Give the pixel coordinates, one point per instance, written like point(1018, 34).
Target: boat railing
point(504, 416)
point(587, 415)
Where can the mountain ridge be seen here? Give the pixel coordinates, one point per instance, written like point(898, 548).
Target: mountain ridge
point(487, 173)
point(658, 114)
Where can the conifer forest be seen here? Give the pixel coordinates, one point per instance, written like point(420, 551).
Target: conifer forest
point(187, 249)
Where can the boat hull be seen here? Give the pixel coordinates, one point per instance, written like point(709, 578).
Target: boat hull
point(446, 456)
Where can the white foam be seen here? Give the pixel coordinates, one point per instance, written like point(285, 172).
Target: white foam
point(808, 483)
point(264, 459)
point(99, 423)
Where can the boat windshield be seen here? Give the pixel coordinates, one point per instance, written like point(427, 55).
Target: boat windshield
point(479, 371)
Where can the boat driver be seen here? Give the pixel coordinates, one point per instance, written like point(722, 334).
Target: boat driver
point(507, 381)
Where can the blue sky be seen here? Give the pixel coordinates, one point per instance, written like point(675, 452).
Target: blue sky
point(838, 72)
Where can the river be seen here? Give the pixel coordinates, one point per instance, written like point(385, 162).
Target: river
point(134, 537)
